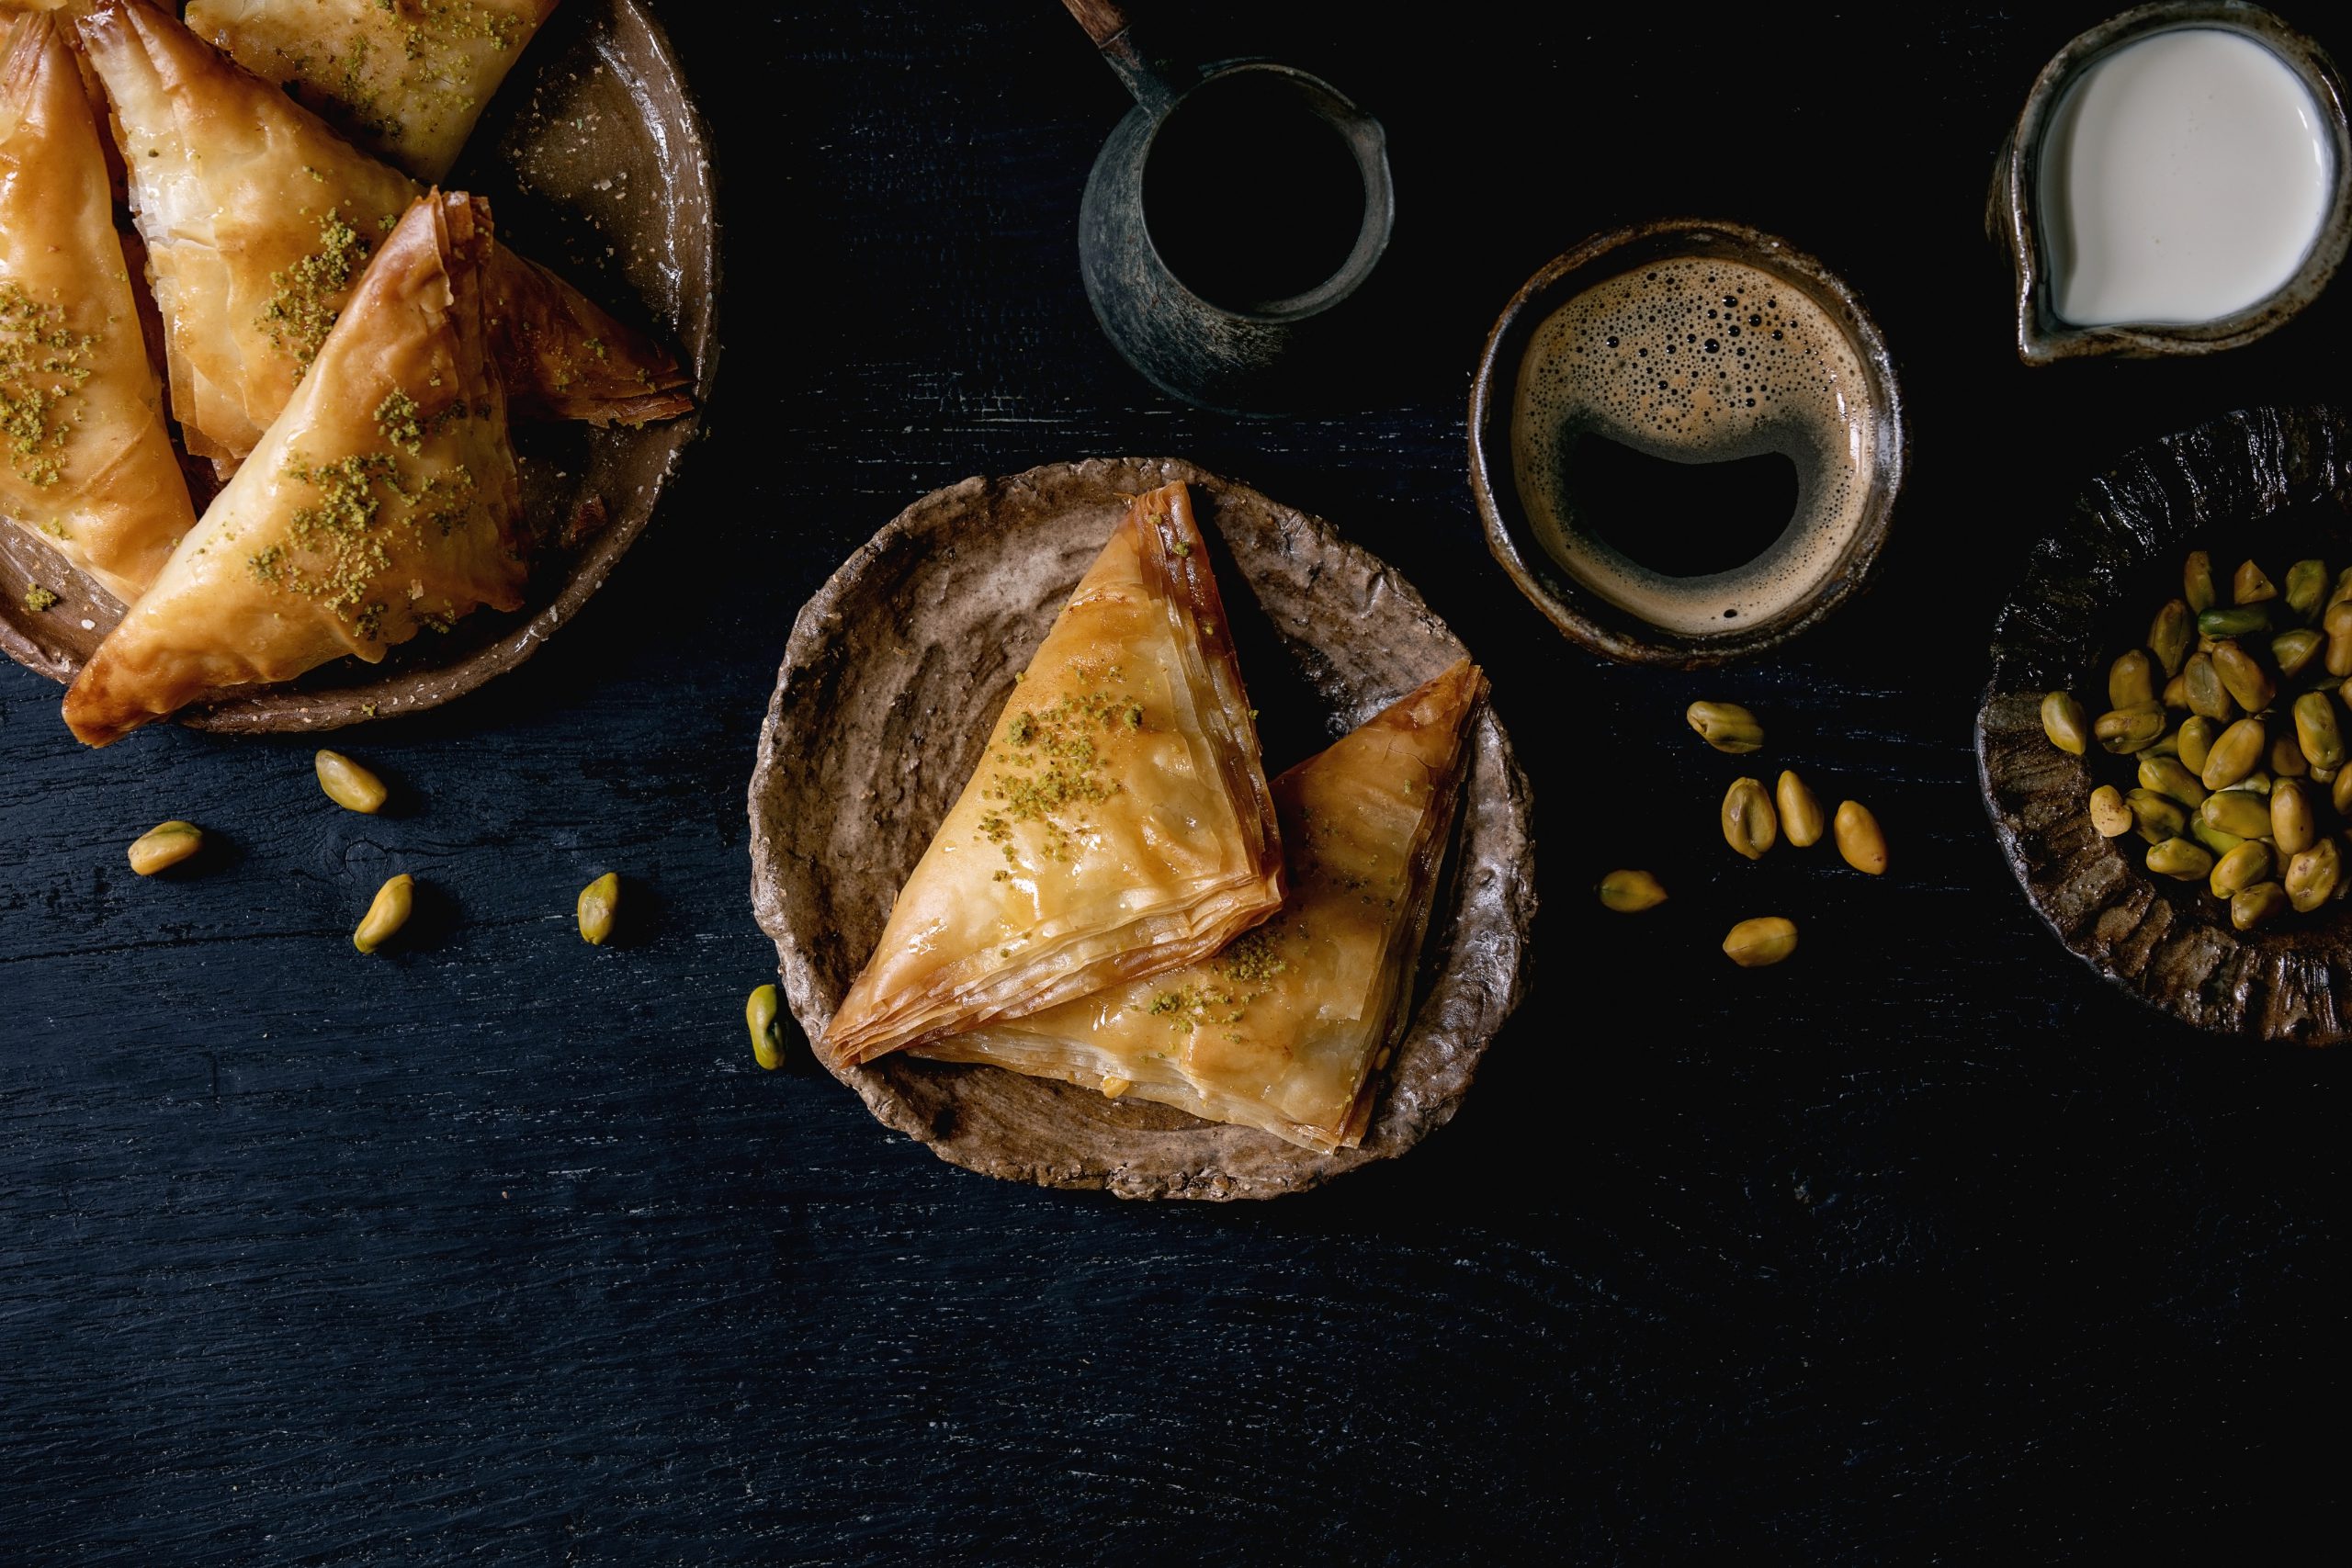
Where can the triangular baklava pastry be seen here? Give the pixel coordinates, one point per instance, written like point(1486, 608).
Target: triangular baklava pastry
point(383, 500)
point(86, 463)
point(258, 219)
point(1118, 824)
point(1284, 1029)
point(406, 78)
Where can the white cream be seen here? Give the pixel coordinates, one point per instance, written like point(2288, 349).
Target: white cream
point(2184, 177)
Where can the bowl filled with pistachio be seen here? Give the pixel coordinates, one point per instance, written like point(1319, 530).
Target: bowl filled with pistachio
point(2164, 743)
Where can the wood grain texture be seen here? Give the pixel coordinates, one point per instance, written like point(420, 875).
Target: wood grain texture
point(498, 1249)
point(891, 685)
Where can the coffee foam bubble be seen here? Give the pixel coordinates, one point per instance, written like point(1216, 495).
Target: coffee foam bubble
point(1697, 360)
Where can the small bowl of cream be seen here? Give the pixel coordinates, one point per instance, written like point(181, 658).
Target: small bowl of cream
point(2180, 181)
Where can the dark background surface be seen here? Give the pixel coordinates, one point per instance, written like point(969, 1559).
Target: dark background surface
point(1923, 1246)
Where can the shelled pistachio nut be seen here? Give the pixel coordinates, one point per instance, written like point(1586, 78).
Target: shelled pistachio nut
point(2168, 775)
point(1726, 726)
point(2306, 586)
point(387, 915)
point(2213, 838)
point(2206, 695)
point(1630, 892)
point(2251, 584)
point(2131, 680)
point(767, 1040)
point(2237, 812)
point(2064, 721)
point(2196, 580)
point(2181, 859)
point(2243, 621)
point(2337, 623)
point(2237, 752)
point(2343, 589)
point(2129, 729)
point(2254, 906)
point(2242, 678)
point(2176, 692)
point(2158, 818)
point(2240, 869)
point(2196, 741)
point(2339, 792)
point(599, 906)
point(2293, 826)
point(2287, 759)
point(1754, 943)
point(2313, 876)
point(1800, 818)
point(2111, 813)
point(163, 846)
point(1749, 825)
point(2316, 729)
point(1859, 839)
point(2294, 650)
point(349, 785)
point(2170, 634)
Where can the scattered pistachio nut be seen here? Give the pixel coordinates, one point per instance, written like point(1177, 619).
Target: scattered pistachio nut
point(2286, 759)
point(2313, 876)
point(2242, 678)
point(2306, 586)
point(2110, 814)
point(2206, 695)
point(2240, 813)
point(1726, 726)
point(600, 905)
point(349, 785)
point(387, 915)
point(2131, 680)
point(2237, 752)
point(2064, 721)
point(2240, 869)
point(1630, 892)
point(2251, 907)
point(2317, 731)
point(1859, 837)
point(2168, 776)
point(2251, 584)
point(163, 846)
point(767, 1040)
point(1749, 825)
point(2243, 621)
point(2196, 580)
point(1765, 940)
point(2337, 623)
point(2179, 858)
point(1801, 817)
point(2294, 828)
point(2176, 695)
point(2294, 650)
point(2158, 819)
point(2170, 634)
point(2129, 729)
point(2196, 739)
point(2218, 842)
point(2339, 792)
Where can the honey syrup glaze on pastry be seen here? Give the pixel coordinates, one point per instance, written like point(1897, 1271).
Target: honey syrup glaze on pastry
point(1118, 823)
point(405, 77)
point(1286, 1029)
point(258, 219)
point(86, 465)
point(382, 502)
point(1697, 360)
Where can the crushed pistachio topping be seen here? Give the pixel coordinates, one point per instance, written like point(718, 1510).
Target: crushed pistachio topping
point(337, 549)
point(1245, 971)
point(1050, 767)
point(306, 297)
point(431, 77)
point(43, 363)
point(37, 598)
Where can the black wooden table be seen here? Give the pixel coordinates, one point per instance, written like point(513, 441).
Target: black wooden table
point(1923, 1246)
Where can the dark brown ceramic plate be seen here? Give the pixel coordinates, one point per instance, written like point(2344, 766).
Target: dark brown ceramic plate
point(898, 669)
point(596, 164)
point(2269, 483)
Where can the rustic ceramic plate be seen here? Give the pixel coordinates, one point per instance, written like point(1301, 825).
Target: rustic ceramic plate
point(894, 675)
point(2275, 484)
point(596, 164)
